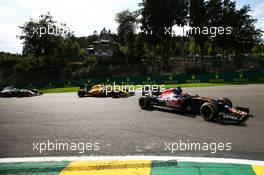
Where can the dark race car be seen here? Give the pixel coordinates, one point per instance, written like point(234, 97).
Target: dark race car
point(210, 109)
point(15, 92)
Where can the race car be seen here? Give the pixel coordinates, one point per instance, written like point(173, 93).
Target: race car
point(210, 109)
point(10, 91)
point(101, 90)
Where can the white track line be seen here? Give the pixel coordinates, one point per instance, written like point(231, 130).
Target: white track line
point(159, 158)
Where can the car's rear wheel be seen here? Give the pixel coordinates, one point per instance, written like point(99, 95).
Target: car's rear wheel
point(21, 94)
point(81, 94)
point(209, 111)
point(145, 102)
point(225, 101)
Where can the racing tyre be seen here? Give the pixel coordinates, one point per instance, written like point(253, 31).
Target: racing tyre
point(81, 94)
point(20, 95)
point(145, 102)
point(209, 111)
point(116, 95)
point(225, 101)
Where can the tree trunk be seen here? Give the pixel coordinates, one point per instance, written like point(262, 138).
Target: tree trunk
point(201, 52)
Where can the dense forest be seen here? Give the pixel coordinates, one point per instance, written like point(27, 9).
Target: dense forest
point(144, 44)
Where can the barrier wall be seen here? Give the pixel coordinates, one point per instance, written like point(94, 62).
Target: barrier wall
point(229, 77)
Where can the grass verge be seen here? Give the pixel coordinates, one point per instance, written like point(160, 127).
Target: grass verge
point(76, 88)
point(59, 90)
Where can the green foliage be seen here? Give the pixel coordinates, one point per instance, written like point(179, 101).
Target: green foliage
point(157, 16)
point(193, 49)
point(244, 34)
point(124, 49)
point(85, 41)
point(23, 65)
point(91, 61)
point(139, 47)
point(257, 50)
point(199, 18)
point(217, 63)
point(192, 46)
point(186, 48)
point(127, 25)
point(51, 57)
point(126, 32)
point(41, 37)
point(82, 52)
point(211, 49)
point(239, 60)
point(48, 46)
point(71, 49)
point(157, 21)
point(8, 62)
point(110, 61)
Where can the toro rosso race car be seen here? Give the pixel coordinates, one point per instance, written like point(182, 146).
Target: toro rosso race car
point(209, 109)
point(15, 92)
point(101, 90)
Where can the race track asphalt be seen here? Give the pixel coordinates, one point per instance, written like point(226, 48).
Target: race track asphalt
point(120, 127)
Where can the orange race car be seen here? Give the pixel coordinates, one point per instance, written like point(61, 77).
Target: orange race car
point(101, 90)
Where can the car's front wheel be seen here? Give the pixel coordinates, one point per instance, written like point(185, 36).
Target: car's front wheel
point(209, 111)
point(81, 94)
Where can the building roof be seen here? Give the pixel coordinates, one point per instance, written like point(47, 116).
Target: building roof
point(104, 38)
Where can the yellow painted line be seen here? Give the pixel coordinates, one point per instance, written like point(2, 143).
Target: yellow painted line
point(259, 170)
point(131, 167)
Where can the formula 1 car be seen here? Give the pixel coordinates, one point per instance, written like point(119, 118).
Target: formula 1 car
point(210, 109)
point(15, 92)
point(101, 90)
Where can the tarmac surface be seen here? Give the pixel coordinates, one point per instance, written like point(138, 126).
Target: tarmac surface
point(108, 126)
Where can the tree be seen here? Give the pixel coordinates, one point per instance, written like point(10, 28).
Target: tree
point(199, 18)
point(244, 34)
point(193, 47)
point(127, 26)
point(71, 49)
point(257, 50)
point(158, 18)
point(47, 41)
point(44, 37)
point(214, 12)
point(211, 49)
point(103, 31)
point(139, 48)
